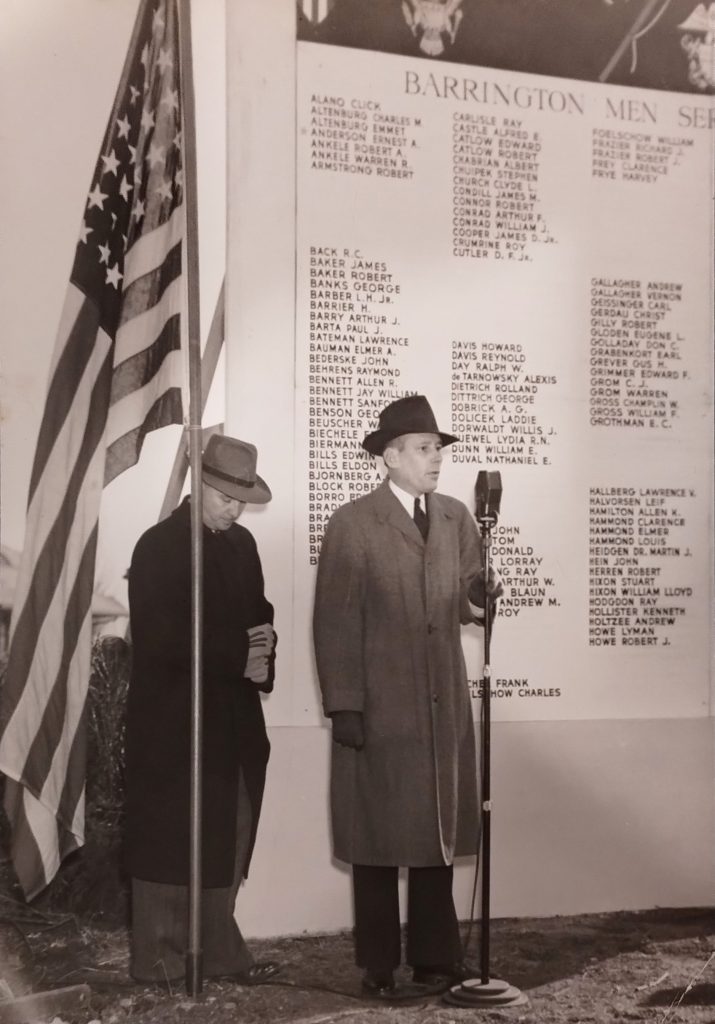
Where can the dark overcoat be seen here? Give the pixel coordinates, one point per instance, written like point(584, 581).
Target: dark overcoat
point(387, 616)
point(159, 703)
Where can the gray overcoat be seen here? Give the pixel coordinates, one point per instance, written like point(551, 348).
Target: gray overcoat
point(387, 616)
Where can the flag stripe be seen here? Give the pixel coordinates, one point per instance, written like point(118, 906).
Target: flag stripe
point(69, 730)
point(52, 841)
point(50, 563)
point(135, 372)
point(29, 865)
point(42, 751)
point(131, 409)
point(136, 334)
point(149, 251)
point(148, 289)
point(68, 842)
point(71, 367)
point(124, 452)
point(42, 823)
point(48, 648)
point(41, 520)
point(71, 800)
point(63, 455)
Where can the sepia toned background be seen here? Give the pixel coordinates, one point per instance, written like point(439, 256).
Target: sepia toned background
point(596, 809)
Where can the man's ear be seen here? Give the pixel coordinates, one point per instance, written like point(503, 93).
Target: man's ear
point(390, 457)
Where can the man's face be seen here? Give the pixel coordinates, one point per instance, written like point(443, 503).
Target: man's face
point(220, 510)
point(414, 462)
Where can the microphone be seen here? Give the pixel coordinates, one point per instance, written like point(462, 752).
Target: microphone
point(487, 495)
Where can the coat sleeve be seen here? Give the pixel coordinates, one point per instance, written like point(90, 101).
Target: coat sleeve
point(261, 610)
point(160, 611)
point(159, 602)
point(338, 616)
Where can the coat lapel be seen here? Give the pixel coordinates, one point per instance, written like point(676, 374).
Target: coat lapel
point(391, 512)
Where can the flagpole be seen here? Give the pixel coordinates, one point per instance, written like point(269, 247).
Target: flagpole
point(194, 966)
point(209, 361)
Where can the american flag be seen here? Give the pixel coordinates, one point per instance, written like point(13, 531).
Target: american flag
point(117, 372)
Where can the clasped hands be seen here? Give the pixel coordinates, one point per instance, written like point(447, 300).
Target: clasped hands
point(261, 641)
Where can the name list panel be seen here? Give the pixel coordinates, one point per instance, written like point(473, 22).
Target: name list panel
point(532, 254)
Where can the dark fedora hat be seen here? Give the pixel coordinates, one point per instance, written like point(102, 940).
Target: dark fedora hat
point(409, 415)
point(229, 465)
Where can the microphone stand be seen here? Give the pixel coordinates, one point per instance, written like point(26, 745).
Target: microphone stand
point(486, 991)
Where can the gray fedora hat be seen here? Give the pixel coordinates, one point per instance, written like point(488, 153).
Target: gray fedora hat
point(229, 465)
point(409, 415)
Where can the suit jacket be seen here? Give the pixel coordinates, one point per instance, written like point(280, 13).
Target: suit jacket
point(388, 608)
point(159, 702)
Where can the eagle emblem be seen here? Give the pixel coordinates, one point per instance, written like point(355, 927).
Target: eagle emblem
point(433, 22)
point(316, 10)
point(698, 42)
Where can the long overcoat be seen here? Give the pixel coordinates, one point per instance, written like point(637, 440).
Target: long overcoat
point(159, 703)
point(387, 617)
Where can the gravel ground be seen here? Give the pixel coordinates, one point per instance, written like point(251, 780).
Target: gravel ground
point(656, 966)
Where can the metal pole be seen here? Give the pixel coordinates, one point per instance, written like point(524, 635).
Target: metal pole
point(212, 351)
point(486, 761)
point(486, 992)
point(194, 971)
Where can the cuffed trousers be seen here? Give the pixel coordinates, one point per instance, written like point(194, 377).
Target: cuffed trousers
point(432, 928)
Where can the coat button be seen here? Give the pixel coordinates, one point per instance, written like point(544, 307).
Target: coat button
point(435, 698)
point(430, 628)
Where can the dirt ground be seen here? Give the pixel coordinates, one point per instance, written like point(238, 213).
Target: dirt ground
point(656, 966)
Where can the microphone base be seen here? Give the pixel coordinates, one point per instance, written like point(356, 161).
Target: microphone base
point(492, 994)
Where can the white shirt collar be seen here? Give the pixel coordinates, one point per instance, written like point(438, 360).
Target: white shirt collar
point(406, 500)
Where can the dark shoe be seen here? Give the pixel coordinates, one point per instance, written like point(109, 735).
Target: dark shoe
point(445, 974)
point(259, 973)
point(378, 986)
point(434, 979)
point(383, 987)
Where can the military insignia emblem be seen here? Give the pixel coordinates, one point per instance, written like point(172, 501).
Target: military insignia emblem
point(698, 42)
point(433, 22)
point(316, 10)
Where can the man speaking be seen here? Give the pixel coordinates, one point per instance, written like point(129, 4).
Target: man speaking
point(400, 569)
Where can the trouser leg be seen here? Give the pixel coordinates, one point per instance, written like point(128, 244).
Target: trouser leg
point(158, 936)
point(225, 949)
point(377, 918)
point(160, 916)
point(432, 927)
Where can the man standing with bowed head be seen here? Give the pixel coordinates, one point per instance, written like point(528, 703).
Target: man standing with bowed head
point(400, 569)
point(238, 663)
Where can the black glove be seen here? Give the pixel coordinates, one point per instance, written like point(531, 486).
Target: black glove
point(477, 592)
point(348, 729)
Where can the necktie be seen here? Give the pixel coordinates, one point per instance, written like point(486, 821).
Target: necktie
point(420, 517)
